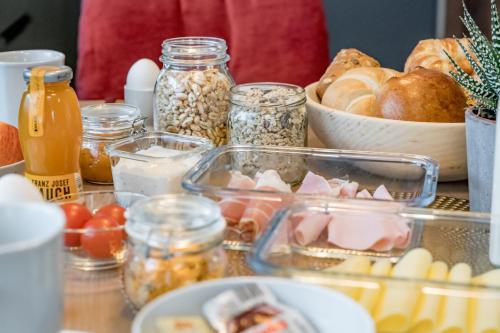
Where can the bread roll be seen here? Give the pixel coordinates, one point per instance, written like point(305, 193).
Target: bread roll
point(10, 151)
point(429, 54)
point(355, 91)
point(345, 60)
point(422, 95)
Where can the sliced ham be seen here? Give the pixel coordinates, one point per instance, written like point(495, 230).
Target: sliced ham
point(233, 208)
point(349, 189)
point(260, 210)
point(381, 193)
point(379, 232)
point(364, 194)
point(313, 183)
point(311, 227)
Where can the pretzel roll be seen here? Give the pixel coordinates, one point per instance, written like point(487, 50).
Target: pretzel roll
point(355, 91)
point(345, 60)
point(429, 54)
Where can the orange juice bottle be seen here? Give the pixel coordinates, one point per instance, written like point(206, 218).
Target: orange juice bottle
point(50, 131)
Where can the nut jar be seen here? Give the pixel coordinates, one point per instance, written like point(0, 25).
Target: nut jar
point(268, 114)
point(104, 124)
point(174, 240)
point(191, 95)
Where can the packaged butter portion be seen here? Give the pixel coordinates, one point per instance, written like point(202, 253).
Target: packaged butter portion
point(182, 324)
point(252, 308)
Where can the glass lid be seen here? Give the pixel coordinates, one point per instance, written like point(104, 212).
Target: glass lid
point(110, 117)
point(177, 222)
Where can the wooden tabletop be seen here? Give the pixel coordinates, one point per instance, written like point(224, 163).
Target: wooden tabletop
point(94, 302)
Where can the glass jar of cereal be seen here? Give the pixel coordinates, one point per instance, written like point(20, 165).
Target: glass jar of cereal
point(191, 95)
point(104, 124)
point(174, 240)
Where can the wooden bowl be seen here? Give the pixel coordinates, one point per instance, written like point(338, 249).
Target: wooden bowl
point(444, 142)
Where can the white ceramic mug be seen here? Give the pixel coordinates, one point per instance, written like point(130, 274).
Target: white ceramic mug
point(31, 267)
point(12, 85)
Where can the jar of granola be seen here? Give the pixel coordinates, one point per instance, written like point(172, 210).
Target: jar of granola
point(104, 124)
point(192, 90)
point(174, 240)
point(270, 114)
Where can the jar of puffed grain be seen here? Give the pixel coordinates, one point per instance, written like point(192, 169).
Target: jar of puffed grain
point(192, 90)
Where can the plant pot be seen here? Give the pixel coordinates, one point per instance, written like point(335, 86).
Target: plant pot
point(480, 138)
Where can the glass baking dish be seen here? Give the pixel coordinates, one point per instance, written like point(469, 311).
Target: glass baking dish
point(458, 290)
point(411, 179)
point(154, 163)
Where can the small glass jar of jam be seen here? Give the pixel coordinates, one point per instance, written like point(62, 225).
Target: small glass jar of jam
point(174, 240)
point(104, 124)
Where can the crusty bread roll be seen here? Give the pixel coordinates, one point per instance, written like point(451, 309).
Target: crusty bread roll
point(355, 91)
point(10, 151)
point(429, 54)
point(345, 60)
point(422, 95)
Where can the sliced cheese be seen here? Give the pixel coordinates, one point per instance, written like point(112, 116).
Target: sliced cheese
point(426, 315)
point(395, 309)
point(353, 265)
point(455, 309)
point(370, 297)
point(485, 311)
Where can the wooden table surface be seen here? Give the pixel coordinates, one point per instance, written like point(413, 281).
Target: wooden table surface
point(93, 301)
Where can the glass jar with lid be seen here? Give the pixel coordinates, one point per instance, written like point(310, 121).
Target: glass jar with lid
point(174, 240)
point(191, 94)
point(270, 114)
point(104, 124)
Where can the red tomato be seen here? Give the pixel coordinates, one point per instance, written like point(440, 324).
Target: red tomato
point(98, 243)
point(76, 216)
point(114, 211)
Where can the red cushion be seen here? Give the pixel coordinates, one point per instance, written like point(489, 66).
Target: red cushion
point(269, 40)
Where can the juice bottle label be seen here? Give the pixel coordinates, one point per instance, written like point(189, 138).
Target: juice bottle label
point(36, 101)
point(62, 187)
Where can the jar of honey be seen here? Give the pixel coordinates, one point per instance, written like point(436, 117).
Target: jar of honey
point(104, 124)
point(50, 131)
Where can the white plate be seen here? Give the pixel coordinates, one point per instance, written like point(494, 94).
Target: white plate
point(328, 310)
point(17, 167)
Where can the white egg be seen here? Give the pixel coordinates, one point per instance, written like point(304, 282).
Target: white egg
point(15, 188)
point(142, 75)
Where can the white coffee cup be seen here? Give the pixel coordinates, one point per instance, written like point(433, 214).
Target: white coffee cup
point(31, 267)
point(12, 85)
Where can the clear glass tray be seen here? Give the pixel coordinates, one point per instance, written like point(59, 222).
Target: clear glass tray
point(399, 301)
point(411, 179)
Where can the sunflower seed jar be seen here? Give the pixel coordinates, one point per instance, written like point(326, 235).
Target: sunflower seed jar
point(268, 114)
point(192, 90)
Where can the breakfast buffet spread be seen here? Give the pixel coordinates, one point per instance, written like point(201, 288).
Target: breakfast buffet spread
point(225, 169)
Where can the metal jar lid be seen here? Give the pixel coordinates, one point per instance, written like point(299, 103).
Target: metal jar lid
point(53, 74)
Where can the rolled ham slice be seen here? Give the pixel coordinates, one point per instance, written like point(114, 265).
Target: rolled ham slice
point(381, 193)
point(379, 232)
point(364, 194)
point(259, 211)
point(349, 189)
point(311, 227)
point(313, 183)
point(233, 208)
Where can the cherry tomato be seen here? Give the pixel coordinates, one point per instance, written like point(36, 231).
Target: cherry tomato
point(98, 243)
point(114, 211)
point(76, 216)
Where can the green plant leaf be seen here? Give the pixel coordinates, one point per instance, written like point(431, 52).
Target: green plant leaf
point(495, 26)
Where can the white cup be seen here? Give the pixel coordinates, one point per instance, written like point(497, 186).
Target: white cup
point(143, 99)
point(12, 85)
point(31, 267)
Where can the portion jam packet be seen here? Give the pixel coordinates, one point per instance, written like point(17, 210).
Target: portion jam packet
point(252, 308)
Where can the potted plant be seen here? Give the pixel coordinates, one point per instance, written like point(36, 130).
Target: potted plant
point(480, 119)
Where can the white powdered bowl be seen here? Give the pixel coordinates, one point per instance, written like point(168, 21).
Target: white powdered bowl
point(444, 142)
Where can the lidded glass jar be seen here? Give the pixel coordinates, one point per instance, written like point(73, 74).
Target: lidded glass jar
point(104, 124)
point(174, 240)
point(192, 90)
point(270, 114)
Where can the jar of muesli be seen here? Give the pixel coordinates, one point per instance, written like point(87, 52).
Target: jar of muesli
point(270, 114)
point(191, 95)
